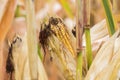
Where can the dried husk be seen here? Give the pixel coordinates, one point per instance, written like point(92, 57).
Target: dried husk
point(59, 50)
point(21, 62)
point(31, 38)
point(20, 59)
point(20, 52)
point(62, 57)
point(106, 63)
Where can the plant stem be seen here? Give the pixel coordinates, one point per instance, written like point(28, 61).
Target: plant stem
point(109, 17)
point(88, 47)
point(79, 34)
point(79, 67)
point(86, 23)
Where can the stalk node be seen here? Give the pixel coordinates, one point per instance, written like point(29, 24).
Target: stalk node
point(87, 26)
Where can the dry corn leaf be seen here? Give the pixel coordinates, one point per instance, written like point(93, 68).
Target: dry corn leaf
point(20, 58)
point(106, 61)
point(31, 38)
point(99, 35)
point(41, 71)
point(20, 51)
point(21, 62)
point(98, 31)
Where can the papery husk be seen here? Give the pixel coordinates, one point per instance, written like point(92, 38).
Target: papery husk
point(59, 51)
point(99, 35)
point(106, 64)
point(31, 38)
point(41, 71)
point(20, 59)
point(62, 57)
point(20, 52)
point(21, 62)
point(98, 32)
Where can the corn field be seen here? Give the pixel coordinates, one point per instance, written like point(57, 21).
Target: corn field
point(59, 40)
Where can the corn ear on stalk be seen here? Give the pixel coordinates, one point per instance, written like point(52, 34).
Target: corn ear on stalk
point(55, 39)
point(61, 32)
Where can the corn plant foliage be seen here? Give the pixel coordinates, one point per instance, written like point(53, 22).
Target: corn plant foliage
point(31, 38)
point(21, 62)
point(20, 52)
point(106, 61)
point(109, 17)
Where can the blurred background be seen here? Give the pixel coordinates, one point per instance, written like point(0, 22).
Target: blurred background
point(66, 9)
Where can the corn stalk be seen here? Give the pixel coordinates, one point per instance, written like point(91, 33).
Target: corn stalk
point(86, 24)
point(79, 33)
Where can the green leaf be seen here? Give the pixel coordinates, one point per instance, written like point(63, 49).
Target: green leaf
point(109, 17)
